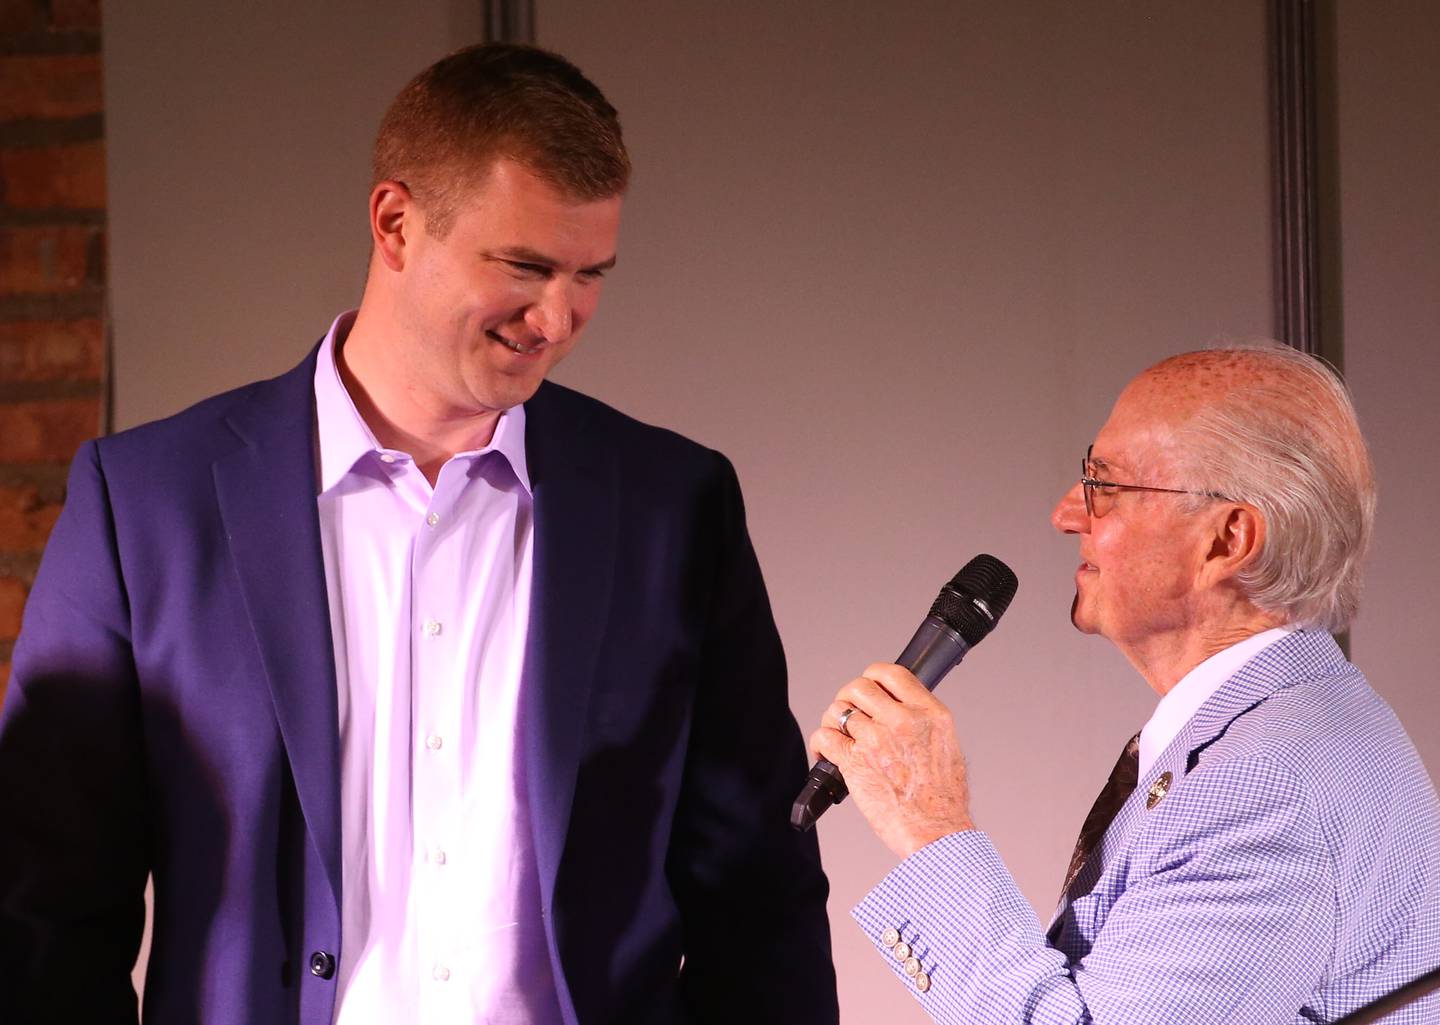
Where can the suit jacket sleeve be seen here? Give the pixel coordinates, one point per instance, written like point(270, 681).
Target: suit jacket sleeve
point(744, 880)
point(1226, 916)
point(73, 861)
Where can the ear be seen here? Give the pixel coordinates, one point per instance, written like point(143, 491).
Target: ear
point(1236, 539)
point(394, 217)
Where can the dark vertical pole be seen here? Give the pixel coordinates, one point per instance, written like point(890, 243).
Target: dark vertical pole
point(1306, 208)
point(509, 21)
point(1293, 174)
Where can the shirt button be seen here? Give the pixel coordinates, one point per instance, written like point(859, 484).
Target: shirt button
point(322, 964)
point(901, 951)
point(890, 937)
point(441, 973)
point(432, 519)
point(434, 742)
point(912, 966)
point(432, 628)
point(386, 457)
point(437, 856)
point(922, 982)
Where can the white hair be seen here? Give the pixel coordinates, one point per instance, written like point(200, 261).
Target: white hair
point(1283, 436)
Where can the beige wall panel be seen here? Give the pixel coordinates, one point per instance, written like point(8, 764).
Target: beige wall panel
point(1388, 92)
point(896, 261)
point(238, 139)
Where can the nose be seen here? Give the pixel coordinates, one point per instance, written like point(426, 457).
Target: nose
point(1070, 516)
point(551, 316)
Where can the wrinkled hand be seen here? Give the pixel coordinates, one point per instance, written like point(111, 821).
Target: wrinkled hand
point(903, 766)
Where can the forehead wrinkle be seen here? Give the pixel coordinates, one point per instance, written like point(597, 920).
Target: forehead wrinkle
point(1137, 442)
point(1165, 399)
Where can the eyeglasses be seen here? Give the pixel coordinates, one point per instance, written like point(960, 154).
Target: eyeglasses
point(1100, 494)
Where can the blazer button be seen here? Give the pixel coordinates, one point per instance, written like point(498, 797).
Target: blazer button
point(322, 965)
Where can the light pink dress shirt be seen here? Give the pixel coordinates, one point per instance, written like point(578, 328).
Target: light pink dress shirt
point(429, 593)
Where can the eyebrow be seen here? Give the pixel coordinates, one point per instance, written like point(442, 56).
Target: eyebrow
point(1099, 465)
point(524, 254)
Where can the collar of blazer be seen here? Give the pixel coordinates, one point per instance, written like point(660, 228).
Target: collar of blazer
point(1302, 655)
point(575, 476)
point(265, 490)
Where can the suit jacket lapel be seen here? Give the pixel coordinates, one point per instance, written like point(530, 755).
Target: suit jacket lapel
point(1285, 662)
point(575, 481)
point(266, 490)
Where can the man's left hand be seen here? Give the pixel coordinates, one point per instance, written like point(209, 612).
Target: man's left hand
point(901, 760)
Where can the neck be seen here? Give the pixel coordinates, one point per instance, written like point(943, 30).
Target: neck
point(1165, 659)
point(400, 412)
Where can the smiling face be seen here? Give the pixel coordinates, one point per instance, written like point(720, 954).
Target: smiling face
point(481, 315)
point(1140, 562)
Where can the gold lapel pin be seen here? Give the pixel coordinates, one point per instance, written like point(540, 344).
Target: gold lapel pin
point(1158, 790)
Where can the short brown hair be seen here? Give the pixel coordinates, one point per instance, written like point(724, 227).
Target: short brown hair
point(452, 121)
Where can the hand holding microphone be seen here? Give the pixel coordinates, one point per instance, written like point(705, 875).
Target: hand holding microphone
point(898, 752)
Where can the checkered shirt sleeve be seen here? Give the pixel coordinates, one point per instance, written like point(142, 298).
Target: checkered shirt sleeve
point(1290, 874)
point(1224, 912)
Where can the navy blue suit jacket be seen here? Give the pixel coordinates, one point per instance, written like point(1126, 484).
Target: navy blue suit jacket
point(172, 709)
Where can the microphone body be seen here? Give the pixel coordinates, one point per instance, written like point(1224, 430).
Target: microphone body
point(966, 611)
point(933, 651)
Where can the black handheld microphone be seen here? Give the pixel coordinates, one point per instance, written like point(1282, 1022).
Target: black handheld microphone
point(966, 611)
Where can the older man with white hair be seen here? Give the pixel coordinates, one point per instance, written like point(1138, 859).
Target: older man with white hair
point(1268, 846)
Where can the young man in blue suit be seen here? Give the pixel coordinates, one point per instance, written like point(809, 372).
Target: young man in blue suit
point(1268, 847)
point(410, 676)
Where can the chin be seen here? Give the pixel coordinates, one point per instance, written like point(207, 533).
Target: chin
point(506, 392)
point(1078, 618)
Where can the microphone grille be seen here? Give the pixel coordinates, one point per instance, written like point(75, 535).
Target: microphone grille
point(976, 597)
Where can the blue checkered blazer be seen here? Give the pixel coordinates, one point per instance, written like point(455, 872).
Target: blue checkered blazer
point(1291, 874)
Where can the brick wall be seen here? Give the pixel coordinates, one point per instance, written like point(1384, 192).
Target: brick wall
point(52, 274)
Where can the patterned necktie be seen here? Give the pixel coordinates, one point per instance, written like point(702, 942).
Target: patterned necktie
point(1117, 790)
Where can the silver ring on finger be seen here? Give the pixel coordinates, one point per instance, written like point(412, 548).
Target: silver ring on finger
point(845, 718)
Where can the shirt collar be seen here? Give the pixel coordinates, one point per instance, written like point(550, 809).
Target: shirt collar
point(509, 441)
point(1194, 688)
point(345, 438)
